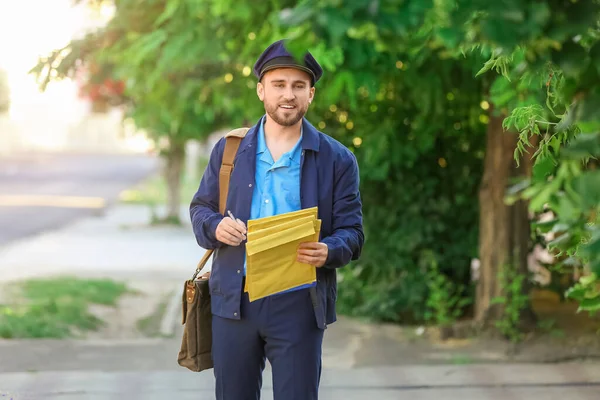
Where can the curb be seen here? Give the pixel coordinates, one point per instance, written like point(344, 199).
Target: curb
point(169, 319)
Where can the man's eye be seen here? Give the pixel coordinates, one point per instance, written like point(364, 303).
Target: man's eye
point(300, 86)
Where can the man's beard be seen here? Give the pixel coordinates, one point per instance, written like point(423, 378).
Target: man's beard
point(285, 117)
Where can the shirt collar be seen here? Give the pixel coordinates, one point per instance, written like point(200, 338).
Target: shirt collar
point(261, 146)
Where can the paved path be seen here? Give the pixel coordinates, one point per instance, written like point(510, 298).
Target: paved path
point(119, 244)
point(39, 192)
point(481, 382)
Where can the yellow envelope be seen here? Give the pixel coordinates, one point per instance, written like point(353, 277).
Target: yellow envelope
point(271, 241)
point(260, 233)
point(276, 222)
point(274, 268)
point(268, 222)
point(271, 252)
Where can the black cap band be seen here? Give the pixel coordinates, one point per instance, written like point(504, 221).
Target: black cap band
point(285, 62)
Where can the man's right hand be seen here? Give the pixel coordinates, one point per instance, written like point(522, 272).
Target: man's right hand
point(231, 232)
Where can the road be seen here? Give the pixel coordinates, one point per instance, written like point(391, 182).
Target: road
point(39, 192)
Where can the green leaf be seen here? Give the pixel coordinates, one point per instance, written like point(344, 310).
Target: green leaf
point(592, 249)
point(588, 279)
point(560, 241)
point(590, 305)
point(451, 37)
point(568, 210)
point(589, 109)
point(576, 293)
point(542, 168)
point(584, 145)
point(170, 9)
point(538, 201)
point(560, 227)
point(588, 187)
point(546, 226)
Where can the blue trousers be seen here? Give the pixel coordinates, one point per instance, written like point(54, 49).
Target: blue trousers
point(279, 328)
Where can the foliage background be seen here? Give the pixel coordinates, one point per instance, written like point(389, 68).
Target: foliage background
point(402, 90)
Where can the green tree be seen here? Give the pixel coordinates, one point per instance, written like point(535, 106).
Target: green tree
point(555, 46)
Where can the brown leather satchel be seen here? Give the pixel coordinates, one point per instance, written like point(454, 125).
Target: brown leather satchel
point(196, 346)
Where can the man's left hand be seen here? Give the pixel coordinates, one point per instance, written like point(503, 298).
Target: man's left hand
point(313, 253)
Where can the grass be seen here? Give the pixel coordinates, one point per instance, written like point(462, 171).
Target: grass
point(153, 191)
point(57, 307)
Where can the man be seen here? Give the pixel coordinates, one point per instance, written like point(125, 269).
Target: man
point(283, 164)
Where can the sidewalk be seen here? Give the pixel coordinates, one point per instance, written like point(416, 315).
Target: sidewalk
point(118, 244)
point(487, 382)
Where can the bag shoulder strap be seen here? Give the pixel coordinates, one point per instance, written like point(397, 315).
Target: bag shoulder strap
point(232, 143)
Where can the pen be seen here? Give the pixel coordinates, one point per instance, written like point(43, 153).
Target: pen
point(234, 218)
point(231, 215)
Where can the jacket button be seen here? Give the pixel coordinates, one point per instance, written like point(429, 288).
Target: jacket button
point(250, 185)
point(239, 271)
point(235, 314)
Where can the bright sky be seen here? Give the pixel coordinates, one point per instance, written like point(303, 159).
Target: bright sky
point(28, 29)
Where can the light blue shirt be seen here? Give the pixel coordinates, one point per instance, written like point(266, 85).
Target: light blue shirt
point(276, 183)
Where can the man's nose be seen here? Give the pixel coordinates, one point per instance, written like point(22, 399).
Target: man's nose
point(288, 94)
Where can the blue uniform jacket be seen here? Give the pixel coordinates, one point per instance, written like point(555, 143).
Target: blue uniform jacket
point(329, 179)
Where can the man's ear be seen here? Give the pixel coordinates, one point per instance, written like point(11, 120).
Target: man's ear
point(260, 91)
point(311, 96)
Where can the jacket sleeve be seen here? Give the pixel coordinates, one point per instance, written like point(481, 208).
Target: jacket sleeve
point(347, 238)
point(204, 209)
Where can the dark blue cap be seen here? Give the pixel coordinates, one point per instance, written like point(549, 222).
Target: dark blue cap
point(277, 56)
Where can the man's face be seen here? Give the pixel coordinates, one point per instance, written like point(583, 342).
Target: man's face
point(286, 94)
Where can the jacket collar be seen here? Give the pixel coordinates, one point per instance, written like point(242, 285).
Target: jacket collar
point(310, 137)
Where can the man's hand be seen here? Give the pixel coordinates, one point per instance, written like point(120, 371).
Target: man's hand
point(313, 253)
point(231, 232)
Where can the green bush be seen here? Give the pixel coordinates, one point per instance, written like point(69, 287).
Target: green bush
point(420, 144)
